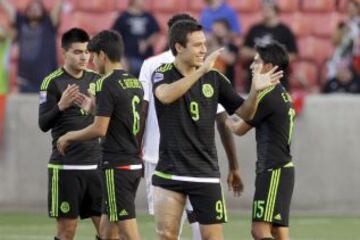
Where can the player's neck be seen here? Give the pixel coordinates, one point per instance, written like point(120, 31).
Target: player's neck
point(184, 68)
point(111, 66)
point(75, 73)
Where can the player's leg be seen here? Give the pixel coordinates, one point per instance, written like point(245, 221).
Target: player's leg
point(281, 233)
point(209, 207)
point(168, 209)
point(148, 172)
point(283, 202)
point(194, 224)
point(120, 221)
point(63, 201)
point(92, 199)
point(261, 230)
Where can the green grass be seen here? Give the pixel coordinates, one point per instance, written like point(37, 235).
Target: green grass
point(40, 227)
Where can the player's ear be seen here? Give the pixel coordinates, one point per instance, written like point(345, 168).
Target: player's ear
point(102, 55)
point(267, 67)
point(179, 48)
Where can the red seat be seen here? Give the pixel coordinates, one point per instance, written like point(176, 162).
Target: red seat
point(245, 5)
point(169, 6)
point(299, 24)
point(20, 4)
point(316, 49)
point(324, 24)
point(288, 6)
point(161, 43)
point(318, 5)
point(196, 5)
point(91, 22)
point(94, 5)
point(304, 75)
point(121, 5)
point(247, 20)
point(342, 5)
point(162, 19)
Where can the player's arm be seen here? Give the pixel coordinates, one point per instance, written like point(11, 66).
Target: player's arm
point(239, 127)
point(97, 129)
point(145, 79)
point(169, 93)
point(50, 108)
point(9, 9)
point(234, 181)
point(55, 12)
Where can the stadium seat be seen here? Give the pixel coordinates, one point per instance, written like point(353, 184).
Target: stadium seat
point(288, 6)
point(324, 24)
point(299, 24)
point(304, 75)
point(91, 22)
point(316, 49)
point(342, 5)
point(247, 20)
point(121, 5)
point(94, 5)
point(20, 4)
point(318, 5)
point(245, 5)
point(161, 44)
point(162, 19)
point(196, 5)
point(169, 6)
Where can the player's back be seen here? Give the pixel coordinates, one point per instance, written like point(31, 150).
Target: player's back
point(274, 131)
point(119, 96)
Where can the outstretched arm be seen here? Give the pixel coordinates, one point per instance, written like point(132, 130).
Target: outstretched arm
point(55, 12)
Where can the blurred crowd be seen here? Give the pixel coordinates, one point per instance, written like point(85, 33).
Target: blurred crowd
point(30, 35)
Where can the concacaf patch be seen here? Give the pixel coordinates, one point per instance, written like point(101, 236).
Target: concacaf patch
point(158, 77)
point(42, 97)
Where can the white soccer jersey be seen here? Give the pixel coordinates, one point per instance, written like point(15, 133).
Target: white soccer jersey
point(151, 138)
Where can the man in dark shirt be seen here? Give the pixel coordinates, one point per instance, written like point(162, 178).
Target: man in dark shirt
point(187, 93)
point(118, 102)
point(74, 182)
point(268, 30)
point(36, 32)
point(140, 31)
point(274, 123)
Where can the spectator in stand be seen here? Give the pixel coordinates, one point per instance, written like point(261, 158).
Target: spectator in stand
point(218, 9)
point(5, 40)
point(35, 32)
point(345, 81)
point(140, 33)
point(346, 39)
point(222, 36)
point(268, 30)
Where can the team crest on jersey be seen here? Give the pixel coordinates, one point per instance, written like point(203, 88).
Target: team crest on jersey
point(158, 77)
point(42, 97)
point(92, 89)
point(207, 90)
point(65, 207)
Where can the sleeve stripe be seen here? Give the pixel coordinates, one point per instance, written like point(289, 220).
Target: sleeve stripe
point(50, 77)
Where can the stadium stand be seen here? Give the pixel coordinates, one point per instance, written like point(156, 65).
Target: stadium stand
point(312, 21)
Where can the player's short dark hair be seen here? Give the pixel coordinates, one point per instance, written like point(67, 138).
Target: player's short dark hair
point(274, 53)
point(179, 31)
point(180, 17)
point(110, 42)
point(74, 35)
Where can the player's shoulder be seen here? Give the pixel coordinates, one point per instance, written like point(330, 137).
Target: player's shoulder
point(51, 78)
point(268, 93)
point(92, 73)
point(219, 75)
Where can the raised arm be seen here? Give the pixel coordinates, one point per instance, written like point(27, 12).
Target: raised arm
point(9, 9)
point(169, 93)
point(56, 12)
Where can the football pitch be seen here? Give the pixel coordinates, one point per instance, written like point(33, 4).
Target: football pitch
point(38, 226)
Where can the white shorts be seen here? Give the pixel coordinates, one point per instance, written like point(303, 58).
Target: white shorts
point(148, 172)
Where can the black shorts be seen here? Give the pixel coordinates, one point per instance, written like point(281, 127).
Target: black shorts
point(207, 199)
point(73, 193)
point(273, 193)
point(120, 188)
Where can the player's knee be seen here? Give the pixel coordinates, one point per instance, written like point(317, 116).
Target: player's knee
point(166, 233)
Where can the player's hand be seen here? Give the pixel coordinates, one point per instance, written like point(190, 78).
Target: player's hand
point(68, 96)
point(210, 60)
point(85, 102)
point(262, 81)
point(231, 124)
point(62, 143)
point(235, 183)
